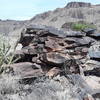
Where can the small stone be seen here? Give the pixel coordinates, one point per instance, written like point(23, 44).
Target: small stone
point(53, 72)
point(88, 97)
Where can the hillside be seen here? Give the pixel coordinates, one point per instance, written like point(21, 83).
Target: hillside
point(72, 12)
point(7, 26)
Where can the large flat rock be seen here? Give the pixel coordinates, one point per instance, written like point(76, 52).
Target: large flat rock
point(54, 58)
point(26, 70)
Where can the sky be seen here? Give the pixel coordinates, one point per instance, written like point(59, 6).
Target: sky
point(26, 9)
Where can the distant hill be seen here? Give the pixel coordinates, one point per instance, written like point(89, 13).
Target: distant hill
point(7, 26)
point(72, 12)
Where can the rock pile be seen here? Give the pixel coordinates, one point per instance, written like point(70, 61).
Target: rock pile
point(49, 52)
point(46, 48)
point(52, 50)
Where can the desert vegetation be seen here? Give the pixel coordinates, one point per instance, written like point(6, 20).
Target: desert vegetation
point(78, 26)
point(6, 57)
point(81, 26)
point(4, 49)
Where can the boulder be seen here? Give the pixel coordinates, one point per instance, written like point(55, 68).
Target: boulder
point(26, 70)
point(54, 58)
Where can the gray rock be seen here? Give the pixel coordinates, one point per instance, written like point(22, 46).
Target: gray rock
point(89, 31)
point(91, 64)
point(85, 41)
point(74, 34)
point(49, 30)
point(94, 51)
point(94, 72)
point(95, 36)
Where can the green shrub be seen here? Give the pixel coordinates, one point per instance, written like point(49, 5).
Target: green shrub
point(81, 26)
point(4, 49)
point(5, 56)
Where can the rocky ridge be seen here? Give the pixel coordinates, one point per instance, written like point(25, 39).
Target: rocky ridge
point(55, 64)
point(78, 4)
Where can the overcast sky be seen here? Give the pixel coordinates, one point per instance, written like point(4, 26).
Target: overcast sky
point(26, 9)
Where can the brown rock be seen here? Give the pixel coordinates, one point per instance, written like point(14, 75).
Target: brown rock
point(32, 73)
point(54, 43)
point(26, 69)
point(53, 72)
point(54, 58)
